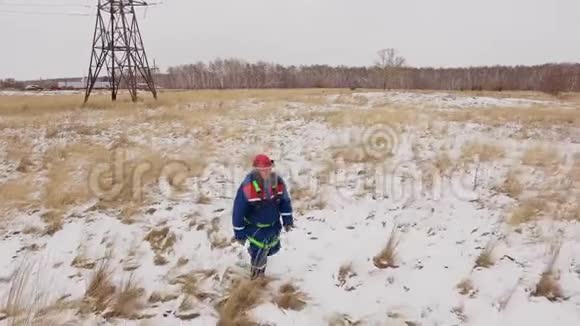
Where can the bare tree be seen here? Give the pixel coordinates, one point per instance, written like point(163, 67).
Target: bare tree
point(388, 63)
point(388, 72)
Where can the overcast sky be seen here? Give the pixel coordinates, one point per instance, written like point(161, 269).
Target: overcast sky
point(442, 33)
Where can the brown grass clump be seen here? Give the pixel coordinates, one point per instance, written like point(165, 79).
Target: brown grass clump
point(54, 220)
point(511, 185)
point(486, 258)
point(290, 298)
point(344, 273)
point(541, 157)
point(548, 285)
point(128, 301)
point(101, 290)
point(159, 260)
point(243, 296)
point(387, 258)
point(482, 152)
point(84, 263)
point(161, 240)
point(466, 287)
point(182, 261)
point(156, 297)
point(190, 283)
point(526, 211)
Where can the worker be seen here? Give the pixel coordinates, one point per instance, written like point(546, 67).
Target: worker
point(262, 207)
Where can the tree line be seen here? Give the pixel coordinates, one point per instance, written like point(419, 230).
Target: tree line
point(235, 73)
point(389, 72)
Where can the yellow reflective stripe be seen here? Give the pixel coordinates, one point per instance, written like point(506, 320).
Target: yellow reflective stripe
point(262, 225)
point(262, 245)
point(257, 243)
point(256, 186)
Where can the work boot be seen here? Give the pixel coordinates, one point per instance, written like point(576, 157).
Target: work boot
point(257, 271)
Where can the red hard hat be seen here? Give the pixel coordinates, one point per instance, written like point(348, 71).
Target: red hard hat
point(262, 161)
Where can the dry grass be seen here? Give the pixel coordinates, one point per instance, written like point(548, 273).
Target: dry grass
point(290, 298)
point(486, 258)
point(466, 287)
point(459, 311)
point(54, 220)
point(350, 99)
point(191, 283)
point(62, 190)
point(511, 185)
point(388, 257)
point(481, 152)
point(160, 260)
point(345, 272)
point(389, 116)
point(541, 157)
point(548, 286)
point(526, 211)
point(17, 193)
point(443, 163)
point(81, 261)
point(18, 297)
point(100, 293)
point(216, 238)
point(182, 261)
point(535, 117)
point(128, 300)
point(156, 297)
point(242, 297)
point(161, 240)
point(299, 193)
point(27, 301)
point(28, 106)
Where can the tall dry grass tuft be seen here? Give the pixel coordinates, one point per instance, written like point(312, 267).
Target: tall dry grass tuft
point(290, 298)
point(26, 301)
point(486, 258)
point(242, 297)
point(548, 285)
point(18, 297)
point(100, 293)
point(388, 257)
point(128, 301)
point(526, 211)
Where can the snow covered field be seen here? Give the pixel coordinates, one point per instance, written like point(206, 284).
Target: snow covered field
point(123, 217)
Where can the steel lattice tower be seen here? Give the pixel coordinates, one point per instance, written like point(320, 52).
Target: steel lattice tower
point(118, 46)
